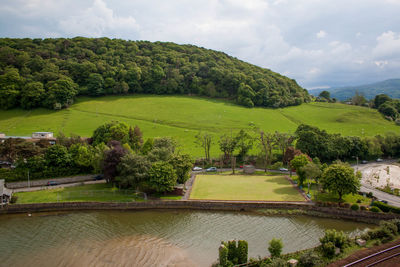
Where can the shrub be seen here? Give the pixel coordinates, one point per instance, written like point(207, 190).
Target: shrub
point(359, 201)
point(397, 223)
point(232, 251)
point(363, 208)
point(370, 195)
point(391, 226)
point(242, 251)
point(339, 239)
point(375, 209)
point(355, 207)
point(278, 262)
point(385, 207)
point(309, 259)
point(13, 199)
point(328, 249)
point(275, 247)
point(223, 255)
point(384, 234)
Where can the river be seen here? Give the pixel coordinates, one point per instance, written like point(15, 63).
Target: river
point(150, 238)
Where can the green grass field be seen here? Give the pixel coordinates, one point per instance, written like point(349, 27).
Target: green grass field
point(93, 192)
point(182, 117)
point(244, 187)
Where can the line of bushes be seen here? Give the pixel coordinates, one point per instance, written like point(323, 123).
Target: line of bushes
point(10, 175)
point(385, 207)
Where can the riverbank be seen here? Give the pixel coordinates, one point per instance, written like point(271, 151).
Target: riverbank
point(308, 208)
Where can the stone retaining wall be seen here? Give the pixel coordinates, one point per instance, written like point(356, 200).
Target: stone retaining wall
point(200, 205)
point(64, 180)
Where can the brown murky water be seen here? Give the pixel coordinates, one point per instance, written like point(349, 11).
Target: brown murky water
point(149, 238)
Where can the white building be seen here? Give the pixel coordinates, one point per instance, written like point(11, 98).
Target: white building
point(42, 135)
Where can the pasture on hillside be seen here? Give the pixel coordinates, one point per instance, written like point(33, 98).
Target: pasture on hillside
point(182, 117)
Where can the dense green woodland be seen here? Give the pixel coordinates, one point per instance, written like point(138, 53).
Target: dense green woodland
point(52, 72)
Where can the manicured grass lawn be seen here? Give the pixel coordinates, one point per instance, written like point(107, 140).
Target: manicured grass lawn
point(93, 192)
point(316, 195)
point(182, 117)
point(244, 187)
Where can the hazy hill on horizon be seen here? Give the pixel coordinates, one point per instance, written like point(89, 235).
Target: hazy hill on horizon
point(390, 87)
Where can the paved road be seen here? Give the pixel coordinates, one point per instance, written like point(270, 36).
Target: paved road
point(391, 199)
point(37, 188)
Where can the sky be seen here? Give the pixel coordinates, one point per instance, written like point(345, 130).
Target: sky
point(319, 43)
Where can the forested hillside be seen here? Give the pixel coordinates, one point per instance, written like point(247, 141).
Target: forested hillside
point(52, 72)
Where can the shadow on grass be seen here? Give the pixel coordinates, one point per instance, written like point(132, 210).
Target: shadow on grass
point(280, 180)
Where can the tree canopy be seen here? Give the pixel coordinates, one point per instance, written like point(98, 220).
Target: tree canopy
point(51, 72)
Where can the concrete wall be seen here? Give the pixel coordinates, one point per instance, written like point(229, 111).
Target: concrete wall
point(341, 213)
point(64, 180)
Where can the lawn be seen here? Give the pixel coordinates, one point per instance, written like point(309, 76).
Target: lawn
point(316, 195)
point(182, 117)
point(93, 192)
point(244, 187)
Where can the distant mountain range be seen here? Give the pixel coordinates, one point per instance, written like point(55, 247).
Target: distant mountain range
point(390, 87)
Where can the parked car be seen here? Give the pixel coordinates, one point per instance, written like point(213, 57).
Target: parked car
point(379, 160)
point(98, 177)
point(197, 168)
point(283, 169)
point(364, 162)
point(51, 183)
point(383, 201)
point(211, 169)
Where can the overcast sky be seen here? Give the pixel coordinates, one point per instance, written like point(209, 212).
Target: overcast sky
point(317, 42)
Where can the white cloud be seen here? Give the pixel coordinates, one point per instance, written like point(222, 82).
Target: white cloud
point(321, 34)
point(388, 45)
point(98, 20)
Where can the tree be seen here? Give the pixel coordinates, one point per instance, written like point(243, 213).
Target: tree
point(57, 156)
point(265, 144)
point(380, 99)
point(182, 165)
point(244, 143)
point(162, 150)
point(298, 162)
point(290, 153)
point(325, 94)
point(32, 95)
point(388, 110)
point(311, 171)
point(95, 84)
point(358, 99)
point(60, 93)
point(204, 140)
point(114, 130)
point(340, 179)
point(112, 158)
point(283, 141)
point(162, 177)
point(133, 171)
point(135, 138)
point(227, 145)
point(275, 247)
point(147, 146)
point(10, 86)
point(81, 155)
